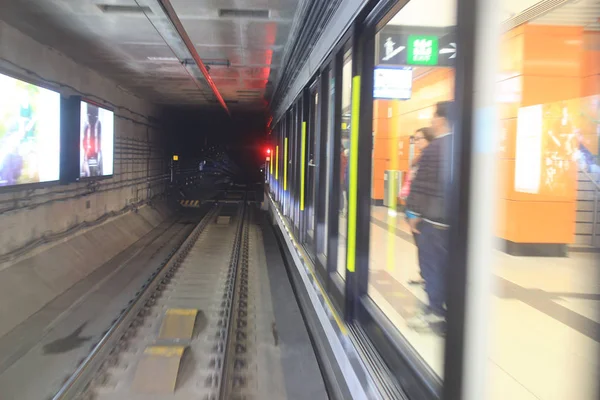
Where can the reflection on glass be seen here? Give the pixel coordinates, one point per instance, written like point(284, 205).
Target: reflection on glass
point(311, 166)
point(344, 149)
point(545, 311)
point(330, 119)
point(545, 319)
point(412, 137)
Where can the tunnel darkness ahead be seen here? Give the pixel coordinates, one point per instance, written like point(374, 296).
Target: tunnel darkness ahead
point(196, 133)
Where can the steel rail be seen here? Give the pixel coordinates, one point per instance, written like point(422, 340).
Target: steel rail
point(87, 370)
point(236, 336)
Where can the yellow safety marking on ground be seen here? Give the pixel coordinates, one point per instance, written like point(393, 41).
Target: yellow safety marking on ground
point(164, 351)
point(353, 190)
point(178, 324)
point(182, 311)
point(190, 203)
point(157, 371)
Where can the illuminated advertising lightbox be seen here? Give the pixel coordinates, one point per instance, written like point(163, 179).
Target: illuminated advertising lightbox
point(528, 158)
point(392, 83)
point(552, 141)
point(29, 133)
point(96, 141)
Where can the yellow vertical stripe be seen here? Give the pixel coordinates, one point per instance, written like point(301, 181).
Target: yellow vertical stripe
point(302, 165)
point(277, 162)
point(285, 163)
point(353, 175)
point(271, 165)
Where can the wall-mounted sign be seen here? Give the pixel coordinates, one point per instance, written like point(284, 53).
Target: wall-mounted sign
point(422, 50)
point(399, 45)
point(392, 82)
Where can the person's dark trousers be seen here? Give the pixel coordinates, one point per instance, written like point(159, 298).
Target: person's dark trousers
point(433, 258)
point(416, 239)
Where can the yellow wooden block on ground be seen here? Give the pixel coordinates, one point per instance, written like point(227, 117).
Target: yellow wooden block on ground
point(158, 369)
point(178, 324)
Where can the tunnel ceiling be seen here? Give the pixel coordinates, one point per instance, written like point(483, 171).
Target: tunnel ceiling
point(137, 47)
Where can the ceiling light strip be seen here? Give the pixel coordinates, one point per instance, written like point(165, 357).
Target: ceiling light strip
point(172, 15)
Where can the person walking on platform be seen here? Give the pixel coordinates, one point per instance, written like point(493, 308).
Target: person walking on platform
point(427, 202)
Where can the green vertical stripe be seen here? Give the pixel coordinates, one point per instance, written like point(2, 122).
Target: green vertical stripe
point(353, 175)
point(285, 163)
point(303, 166)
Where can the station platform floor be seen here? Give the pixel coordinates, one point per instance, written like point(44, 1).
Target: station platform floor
point(544, 315)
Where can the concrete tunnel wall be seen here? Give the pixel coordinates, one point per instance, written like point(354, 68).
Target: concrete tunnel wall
point(27, 215)
point(29, 279)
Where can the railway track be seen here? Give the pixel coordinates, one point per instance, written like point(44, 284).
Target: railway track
point(189, 331)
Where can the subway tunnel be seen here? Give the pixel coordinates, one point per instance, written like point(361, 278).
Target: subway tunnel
point(299, 199)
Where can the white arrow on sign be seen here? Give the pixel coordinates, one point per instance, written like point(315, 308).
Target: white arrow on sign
point(393, 53)
point(449, 50)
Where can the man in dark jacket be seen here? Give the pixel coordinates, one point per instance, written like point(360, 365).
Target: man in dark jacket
point(427, 200)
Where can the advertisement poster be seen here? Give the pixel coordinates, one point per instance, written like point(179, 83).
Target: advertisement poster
point(553, 141)
point(97, 137)
point(29, 133)
point(561, 128)
point(528, 158)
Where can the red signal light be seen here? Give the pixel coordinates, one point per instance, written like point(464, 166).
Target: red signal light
point(268, 151)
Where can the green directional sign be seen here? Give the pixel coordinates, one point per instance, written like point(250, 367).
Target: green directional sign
point(422, 50)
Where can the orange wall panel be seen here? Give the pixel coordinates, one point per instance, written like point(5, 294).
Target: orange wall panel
point(559, 187)
point(552, 51)
point(402, 165)
point(590, 85)
point(379, 166)
point(508, 138)
point(552, 66)
point(383, 128)
point(501, 227)
point(403, 148)
point(380, 108)
point(540, 222)
point(543, 89)
point(511, 54)
point(591, 62)
point(380, 148)
point(378, 189)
